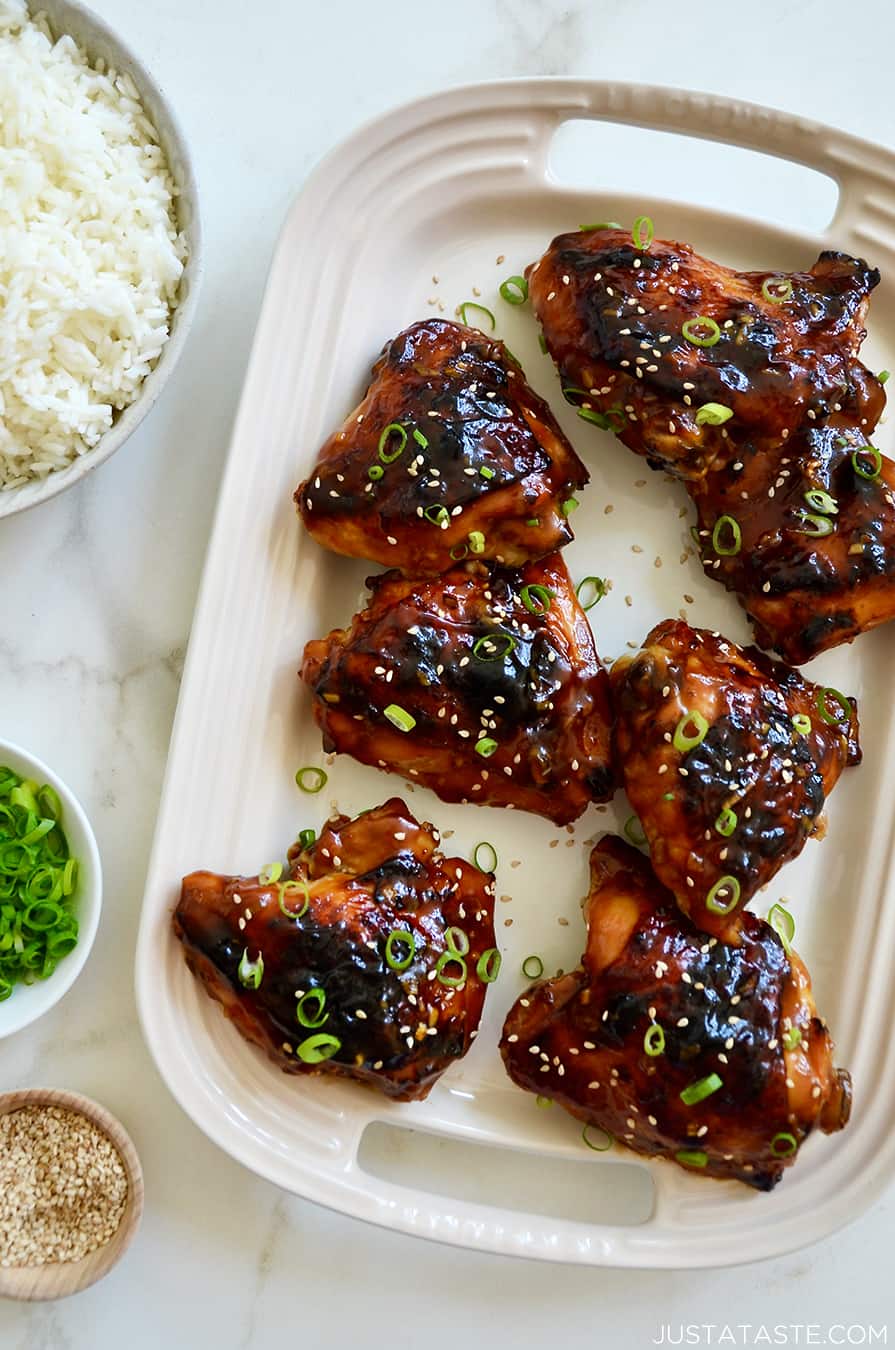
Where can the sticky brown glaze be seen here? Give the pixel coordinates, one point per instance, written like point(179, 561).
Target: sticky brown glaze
point(804, 592)
point(466, 659)
point(363, 879)
point(753, 761)
point(730, 1011)
point(485, 469)
point(612, 316)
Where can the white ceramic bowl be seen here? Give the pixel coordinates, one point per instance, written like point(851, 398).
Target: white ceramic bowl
point(98, 40)
point(30, 1001)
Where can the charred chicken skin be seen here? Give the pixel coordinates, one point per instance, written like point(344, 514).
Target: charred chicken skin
point(806, 538)
point(727, 758)
point(370, 961)
point(675, 1044)
point(483, 684)
point(450, 453)
point(645, 338)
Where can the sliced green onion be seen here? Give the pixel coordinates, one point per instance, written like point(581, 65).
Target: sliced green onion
point(375, 472)
point(311, 779)
point(595, 594)
point(783, 924)
point(801, 723)
point(831, 718)
point(701, 331)
point(403, 937)
point(713, 414)
point(315, 1049)
point(789, 1144)
point(776, 289)
point(470, 304)
point(486, 472)
point(393, 429)
point(821, 501)
point(488, 965)
point(654, 1041)
point(514, 290)
point(883, 376)
point(792, 1038)
point(692, 1157)
point(250, 973)
point(603, 1141)
point(668, 796)
point(490, 862)
point(494, 646)
point(533, 524)
point(875, 457)
point(733, 545)
point(684, 739)
point(532, 967)
point(456, 941)
point(297, 887)
point(438, 515)
point(399, 717)
point(271, 873)
point(818, 527)
point(591, 415)
point(536, 599)
point(459, 552)
point(719, 906)
point(445, 960)
point(476, 541)
point(311, 1009)
point(569, 505)
point(542, 1101)
point(421, 439)
point(702, 1088)
point(307, 838)
point(542, 343)
point(726, 822)
point(602, 225)
point(634, 831)
point(643, 233)
point(485, 747)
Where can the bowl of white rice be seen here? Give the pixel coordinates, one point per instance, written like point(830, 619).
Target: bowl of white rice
point(100, 246)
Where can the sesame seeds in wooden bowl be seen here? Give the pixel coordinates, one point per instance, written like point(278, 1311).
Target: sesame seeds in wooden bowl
point(71, 1193)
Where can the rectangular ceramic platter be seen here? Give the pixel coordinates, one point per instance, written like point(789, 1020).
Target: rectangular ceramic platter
point(442, 189)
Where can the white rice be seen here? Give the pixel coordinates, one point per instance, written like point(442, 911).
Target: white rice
point(90, 254)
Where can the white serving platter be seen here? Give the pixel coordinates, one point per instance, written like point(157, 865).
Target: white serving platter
point(441, 189)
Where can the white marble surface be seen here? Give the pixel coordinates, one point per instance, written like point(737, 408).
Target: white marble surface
point(98, 591)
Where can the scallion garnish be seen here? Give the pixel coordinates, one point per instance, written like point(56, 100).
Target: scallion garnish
point(486, 472)
point(594, 589)
point(459, 552)
point(692, 1157)
point(250, 973)
point(399, 717)
point(514, 290)
point(817, 527)
point(485, 747)
point(569, 505)
point(533, 524)
point(307, 838)
point(471, 304)
point(876, 460)
point(375, 472)
point(536, 598)
point(801, 723)
point(315, 1049)
point(713, 414)
point(311, 1009)
point(685, 738)
point(822, 700)
point(488, 965)
point(601, 1143)
point(393, 429)
point(494, 646)
point(643, 233)
point(634, 831)
point(297, 887)
point(726, 548)
point(542, 1101)
point(476, 541)
point(602, 225)
point(726, 822)
point(789, 1144)
point(722, 885)
point(270, 874)
point(776, 289)
point(883, 376)
point(421, 439)
point(701, 331)
point(783, 924)
point(792, 1038)
point(399, 937)
point(821, 501)
point(542, 343)
point(702, 1088)
point(311, 779)
point(490, 861)
point(445, 960)
point(654, 1041)
point(456, 940)
point(532, 967)
point(438, 515)
point(591, 415)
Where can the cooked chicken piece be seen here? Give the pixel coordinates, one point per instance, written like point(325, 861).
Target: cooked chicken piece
point(483, 684)
point(678, 1046)
point(727, 757)
point(369, 962)
point(806, 539)
point(645, 338)
point(450, 453)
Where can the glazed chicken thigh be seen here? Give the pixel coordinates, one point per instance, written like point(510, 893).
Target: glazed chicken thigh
point(727, 757)
point(675, 1044)
point(449, 454)
point(483, 684)
point(650, 342)
point(369, 961)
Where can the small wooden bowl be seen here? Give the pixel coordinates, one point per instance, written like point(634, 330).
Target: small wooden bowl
point(31, 1283)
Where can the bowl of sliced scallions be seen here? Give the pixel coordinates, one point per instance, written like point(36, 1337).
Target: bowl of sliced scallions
point(50, 888)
